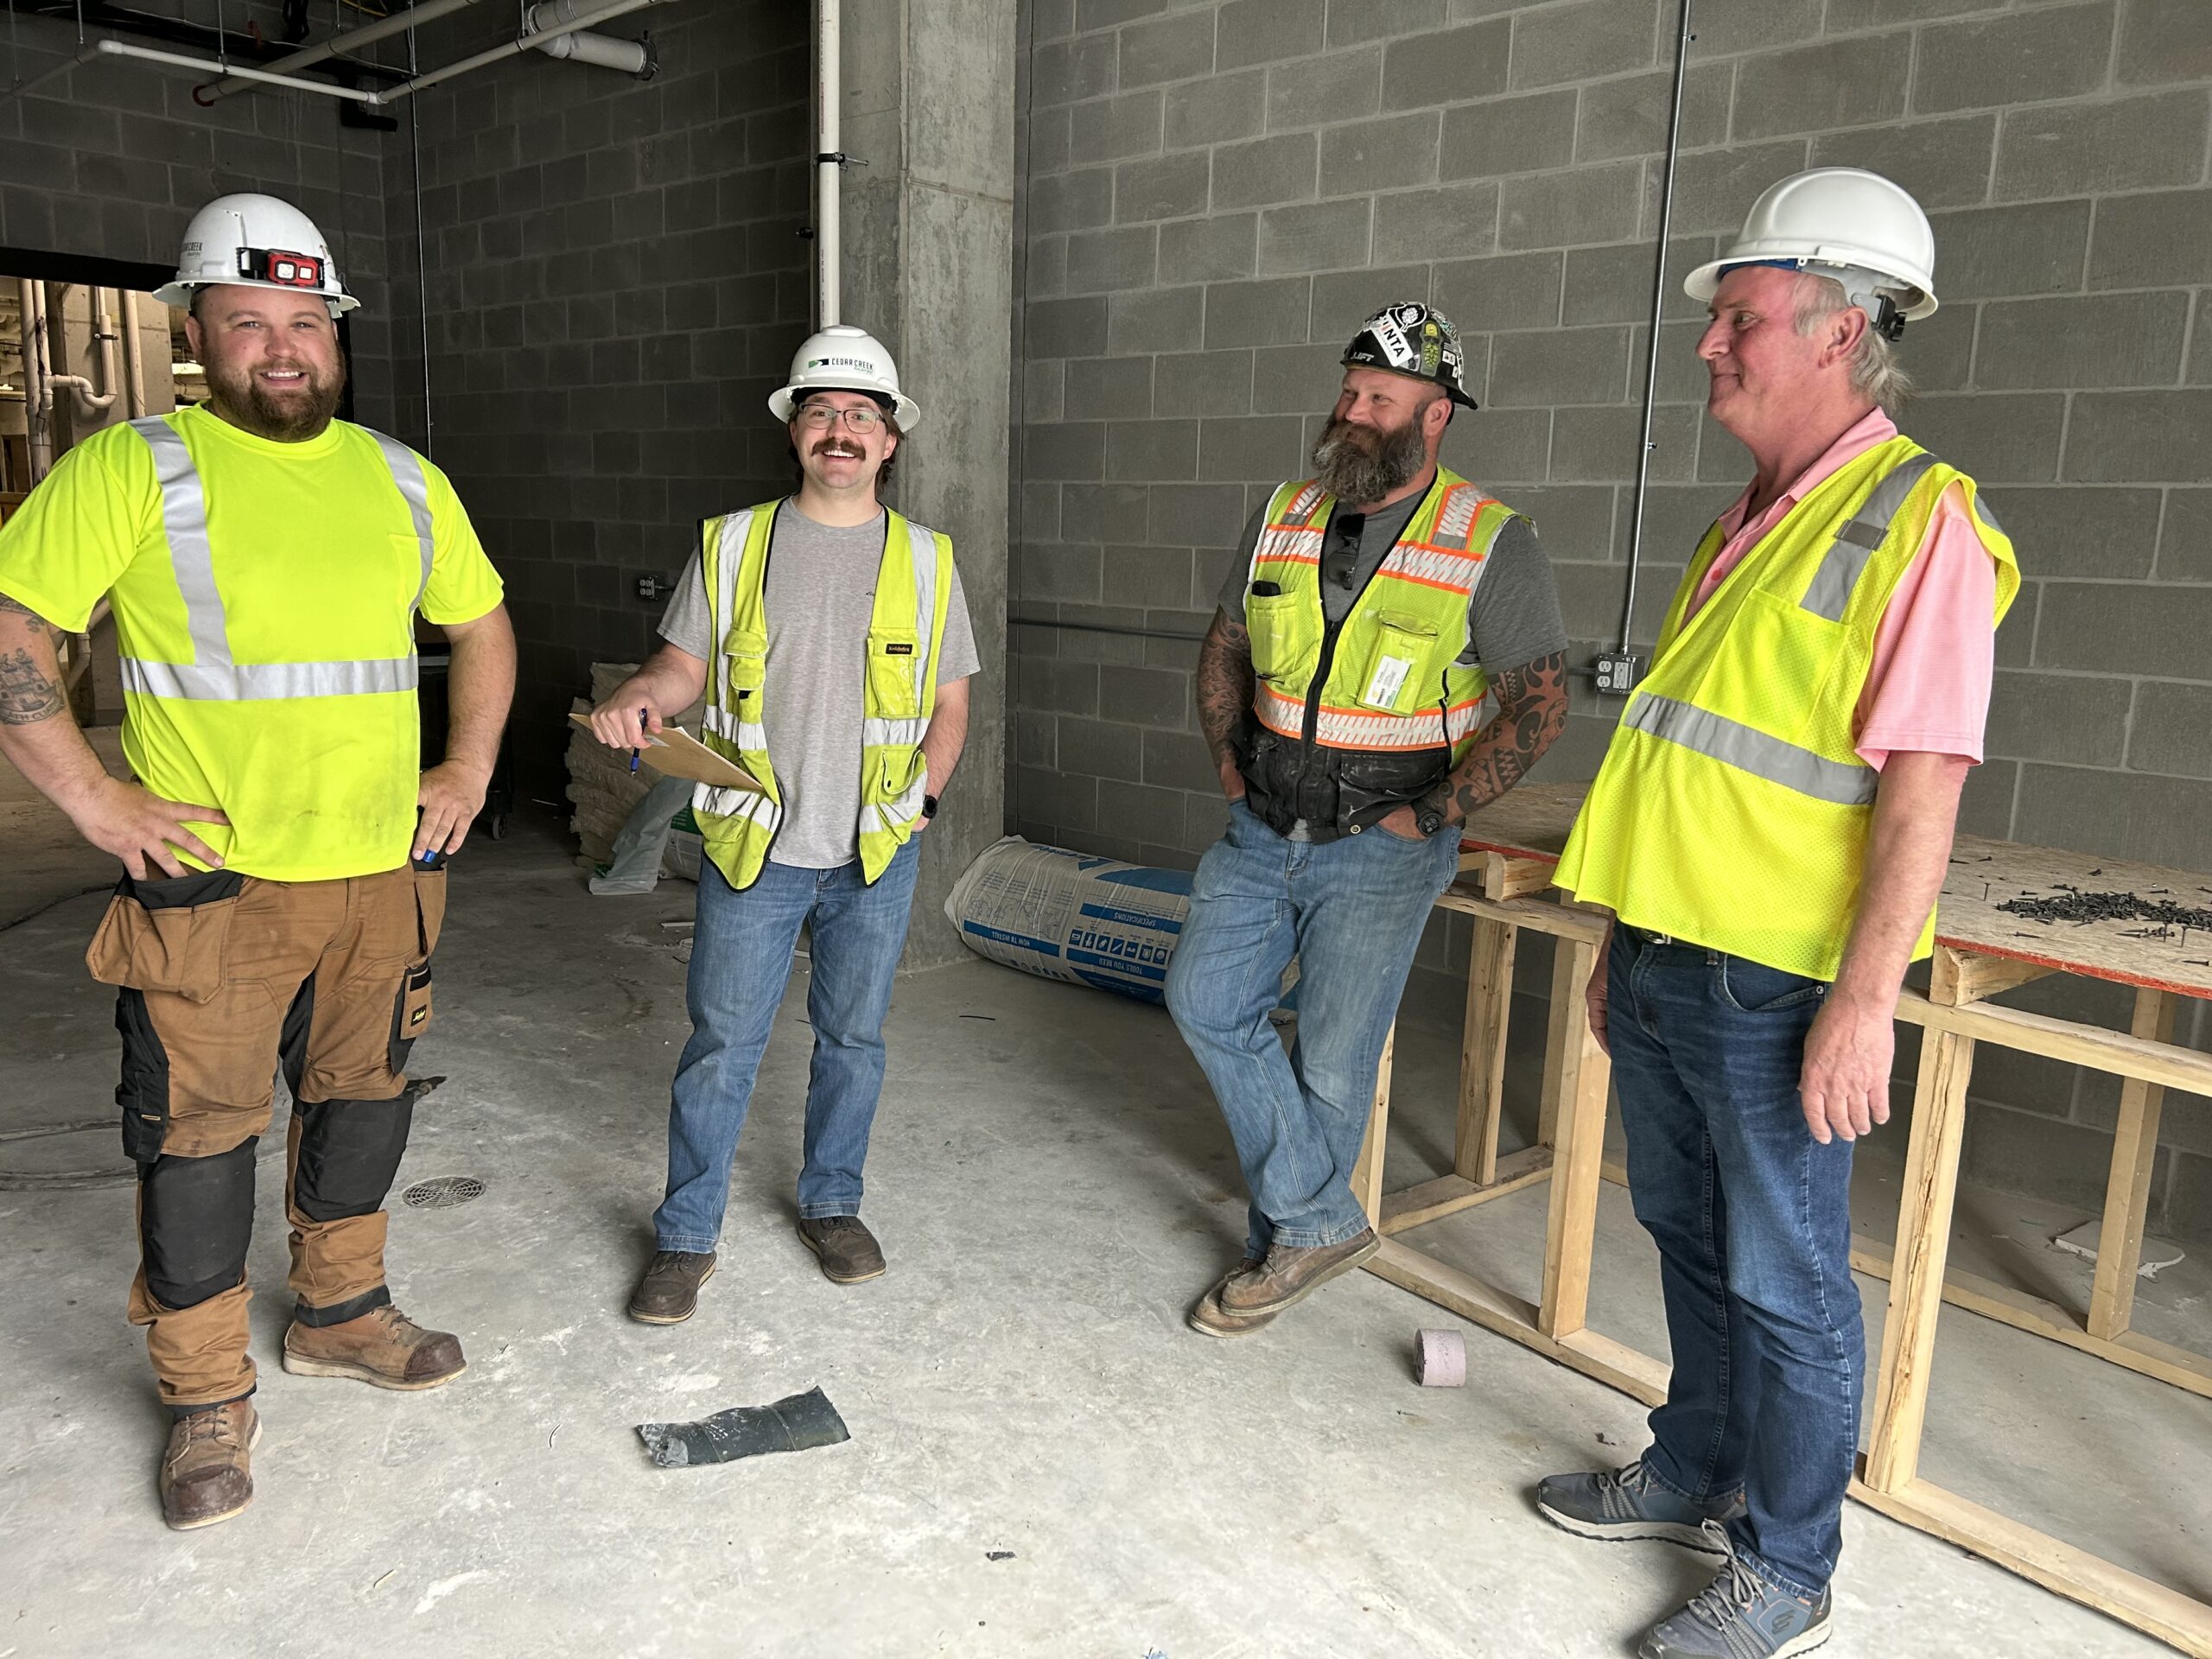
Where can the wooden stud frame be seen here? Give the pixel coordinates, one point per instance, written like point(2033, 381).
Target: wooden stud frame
point(1955, 1019)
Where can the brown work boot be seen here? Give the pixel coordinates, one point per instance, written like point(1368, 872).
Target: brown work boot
point(1290, 1273)
point(383, 1348)
point(848, 1251)
point(668, 1293)
point(207, 1475)
point(1210, 1319)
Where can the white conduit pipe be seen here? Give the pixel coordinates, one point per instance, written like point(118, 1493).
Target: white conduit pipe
point(829, 165)
point(38, 396)
point(89, 402)
point(524, 43)
point(427, 11)
point(601, 51)
point(134, 367)
point(260, 77)
point(55, 73)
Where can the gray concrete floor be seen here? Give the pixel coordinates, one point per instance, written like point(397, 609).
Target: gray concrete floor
point(1053, 1187)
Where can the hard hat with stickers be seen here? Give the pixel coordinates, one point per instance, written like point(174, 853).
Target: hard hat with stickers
point(1412, 338)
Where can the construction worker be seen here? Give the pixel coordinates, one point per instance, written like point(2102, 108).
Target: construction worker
point(282, 896)
point(1388, 659)
point(840, 648)
point(1769, 830)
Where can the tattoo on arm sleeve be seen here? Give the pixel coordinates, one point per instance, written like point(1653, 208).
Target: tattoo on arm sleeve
point(17, 607)
point(1531, 714)
point(1226, 682)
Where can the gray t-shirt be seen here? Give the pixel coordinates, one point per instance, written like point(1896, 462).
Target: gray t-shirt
point(821, 592)
point(1512, 620)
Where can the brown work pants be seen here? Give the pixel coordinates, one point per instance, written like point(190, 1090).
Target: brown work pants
point(224, 978)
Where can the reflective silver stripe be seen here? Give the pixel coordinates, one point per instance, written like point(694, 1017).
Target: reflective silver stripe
point(904, 733)
point(1982, 511)
point(213, 675)
point(184, 518)
point(746, 734)
point(923, 545)
point(729, 553)
point(255, 682)
point(1829, 595)
point(737, 804)
point(415, 487)
point(1748, 749)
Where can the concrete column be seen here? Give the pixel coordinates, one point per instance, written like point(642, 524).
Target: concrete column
point(928, 232)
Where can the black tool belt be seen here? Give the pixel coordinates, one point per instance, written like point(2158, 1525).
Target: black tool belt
point(1333, 791)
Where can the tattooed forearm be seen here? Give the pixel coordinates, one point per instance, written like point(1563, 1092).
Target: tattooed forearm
point(1225, 684)
point(32, 620)
point(28, 691)
point(1531, 714)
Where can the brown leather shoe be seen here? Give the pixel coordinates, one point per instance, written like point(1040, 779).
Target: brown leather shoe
point(848, 1251)
point(207, 1475)
point(1290, 1273)
point(383, 1347)
point(668, 1291)
point(1210, 1319)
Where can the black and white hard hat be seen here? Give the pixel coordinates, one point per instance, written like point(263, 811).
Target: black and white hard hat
point(1414, 339)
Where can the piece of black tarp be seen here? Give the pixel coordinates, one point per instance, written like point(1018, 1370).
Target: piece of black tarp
point(796, 1424)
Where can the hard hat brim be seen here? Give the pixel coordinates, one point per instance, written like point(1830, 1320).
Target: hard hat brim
point(180, 294)
point(905, 409)
point(1701, 283)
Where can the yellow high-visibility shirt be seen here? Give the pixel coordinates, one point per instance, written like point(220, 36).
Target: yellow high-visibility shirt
point(264, 596)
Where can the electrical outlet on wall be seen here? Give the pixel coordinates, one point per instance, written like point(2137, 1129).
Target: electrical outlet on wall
point(1618, 671)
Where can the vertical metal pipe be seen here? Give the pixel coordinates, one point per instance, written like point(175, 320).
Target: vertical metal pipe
point(1658, 304)
point(133, 367)
point(38, 394)
point(828, 61)
point(422, 254)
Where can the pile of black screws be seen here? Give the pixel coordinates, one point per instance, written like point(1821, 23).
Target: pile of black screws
point(2071, 905)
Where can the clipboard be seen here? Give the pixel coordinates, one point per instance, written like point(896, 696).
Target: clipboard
point(674, 752)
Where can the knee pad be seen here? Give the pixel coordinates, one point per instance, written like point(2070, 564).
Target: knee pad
point(349, 1151)
point(195, 1217)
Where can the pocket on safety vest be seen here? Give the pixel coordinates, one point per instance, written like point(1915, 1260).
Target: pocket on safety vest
point(1398, 675)
point(1274, 623)
point(747, 652)
point(1774, 669)
point(893, 674)
point(171, 934)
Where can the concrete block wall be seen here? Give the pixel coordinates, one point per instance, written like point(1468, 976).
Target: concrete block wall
point(110, 161)
point(617, 281)
point(1215, 192)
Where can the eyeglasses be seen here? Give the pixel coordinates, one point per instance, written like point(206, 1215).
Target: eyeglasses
point(820, 417)
point(1340, 547)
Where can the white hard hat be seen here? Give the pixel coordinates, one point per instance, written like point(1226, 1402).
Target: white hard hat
point(1843, 222)
point(844, 359)
point(256, 242)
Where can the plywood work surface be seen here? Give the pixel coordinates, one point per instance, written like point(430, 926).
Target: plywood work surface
point(1531, 823)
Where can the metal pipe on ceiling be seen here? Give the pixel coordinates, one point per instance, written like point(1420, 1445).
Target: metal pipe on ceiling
point(425, 11)
point(264, 77)
point(513, 49)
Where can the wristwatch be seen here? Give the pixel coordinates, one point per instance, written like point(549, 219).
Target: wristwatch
point(929, 806)
point(1428, 817)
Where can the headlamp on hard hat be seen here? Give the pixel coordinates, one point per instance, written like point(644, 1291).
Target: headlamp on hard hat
point(281, 268)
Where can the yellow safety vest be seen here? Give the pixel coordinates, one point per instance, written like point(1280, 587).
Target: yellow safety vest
point(913, 591)
point(1396, 680)
point(1731, 810)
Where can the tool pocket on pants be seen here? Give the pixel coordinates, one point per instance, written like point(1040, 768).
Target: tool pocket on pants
point(410, 1014)
point(170, 935)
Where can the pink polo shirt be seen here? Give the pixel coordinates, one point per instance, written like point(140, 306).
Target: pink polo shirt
point(1927, 687)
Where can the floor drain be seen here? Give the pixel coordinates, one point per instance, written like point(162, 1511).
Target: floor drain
point(443, 1192)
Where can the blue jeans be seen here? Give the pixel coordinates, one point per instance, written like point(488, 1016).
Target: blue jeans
point(1753, 1218)
point(1351, 911)
point(741, 961)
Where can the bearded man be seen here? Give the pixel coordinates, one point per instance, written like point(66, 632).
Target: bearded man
point(283, 850)
point(1388, 659)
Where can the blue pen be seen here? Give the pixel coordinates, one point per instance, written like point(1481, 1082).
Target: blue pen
point(643, 715)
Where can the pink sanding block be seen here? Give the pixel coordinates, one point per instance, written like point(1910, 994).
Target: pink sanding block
point(1441, 1357)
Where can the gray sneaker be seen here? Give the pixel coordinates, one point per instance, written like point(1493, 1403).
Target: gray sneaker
point(1738, 1615)
point(1619, 1504)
